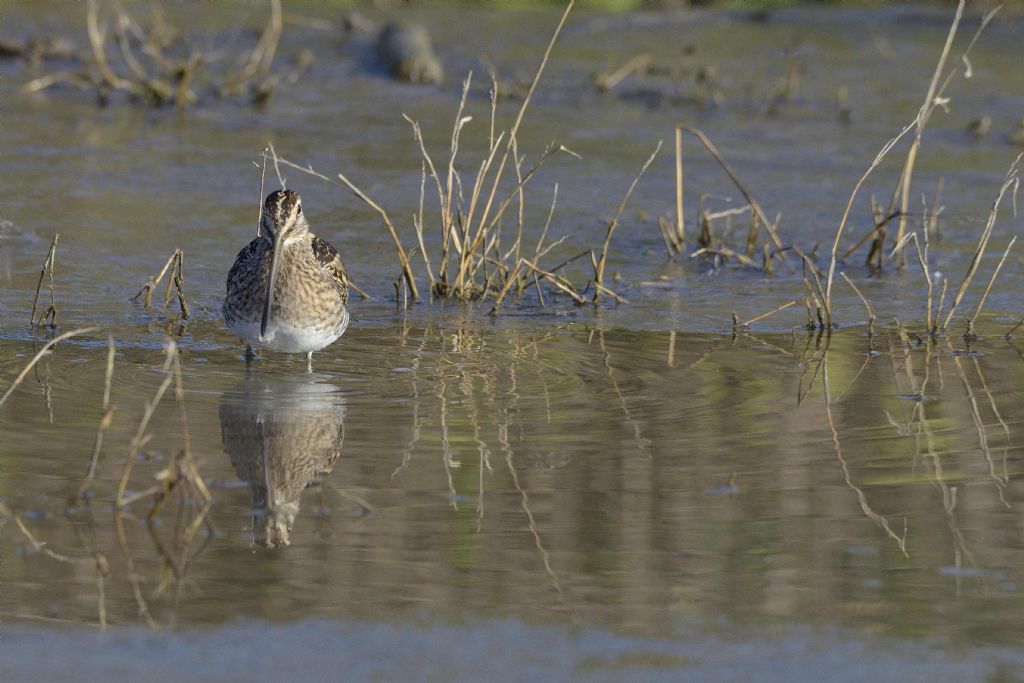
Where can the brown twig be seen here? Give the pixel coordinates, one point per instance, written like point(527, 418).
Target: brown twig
point(48, 264)
point(867, 305)
point(748, 323)
point(106, 417)
point(1012, 180)
point(992, 281)
point(599, 270)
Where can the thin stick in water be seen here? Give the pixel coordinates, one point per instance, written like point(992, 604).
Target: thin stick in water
point(35, 359)
point(992, 281)
point(48, 265)
point(599, 270)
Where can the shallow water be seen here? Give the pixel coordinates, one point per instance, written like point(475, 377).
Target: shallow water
point(631, 483)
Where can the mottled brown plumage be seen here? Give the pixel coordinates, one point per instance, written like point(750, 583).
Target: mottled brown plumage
point(307, 307)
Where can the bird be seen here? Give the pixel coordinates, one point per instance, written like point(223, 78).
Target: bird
point(283, 436)
point(288, 289)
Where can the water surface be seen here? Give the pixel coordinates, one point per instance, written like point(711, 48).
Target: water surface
point(622, 491)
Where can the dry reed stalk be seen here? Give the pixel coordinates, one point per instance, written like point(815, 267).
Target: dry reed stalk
point(727, 253)
point(263, 178)
point(1011, 180)
point(522, 112)
point(554, 280)
point(444, 192)
point(470, 261)
point(176, 281)
point(934, 98)
point(48, 264)
point(886, 148)
point(607, 80)
point(807, 305)
point(184, 95)
point(540, 250)
point(172, 82)
point(942, 300)
point(97, 41)
point(262, 56)
point(599, 268)
point(35, 359)
point(277, 165)
point(106, 417)
point(155, 88)
point(417, 224)
point(902, 190)
point(680, 237)
point(485, 221)
point(748, 323)
point(867, 305)
point(43, 547)
point(667, 236)
point(191, 470)
point(141, 438)
point(931, 218)
point(754, 204)
point(817, 294)
point(922, 257)
point(881, 224)
point(970, 322)
point(510, 279)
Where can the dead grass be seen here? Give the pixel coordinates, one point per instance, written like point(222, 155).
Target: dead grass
point(141, 65)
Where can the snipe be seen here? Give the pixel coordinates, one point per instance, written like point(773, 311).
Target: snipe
point(288, 290)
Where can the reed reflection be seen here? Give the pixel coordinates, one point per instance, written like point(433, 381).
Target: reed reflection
point(283, 435)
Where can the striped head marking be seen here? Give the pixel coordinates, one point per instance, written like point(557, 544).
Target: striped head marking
point(282, 215)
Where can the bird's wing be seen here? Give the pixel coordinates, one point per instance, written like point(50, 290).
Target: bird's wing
point(328, 257)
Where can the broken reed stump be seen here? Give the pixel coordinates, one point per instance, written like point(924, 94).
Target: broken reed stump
point(50, 314)
point(176, 280)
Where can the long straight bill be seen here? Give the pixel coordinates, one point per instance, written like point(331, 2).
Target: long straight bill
point(274, 261)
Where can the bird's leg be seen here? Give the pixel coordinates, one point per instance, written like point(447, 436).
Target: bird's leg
point(309, 362)
point(250, 355)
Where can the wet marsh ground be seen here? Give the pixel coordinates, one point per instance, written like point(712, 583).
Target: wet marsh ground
point(640, 484)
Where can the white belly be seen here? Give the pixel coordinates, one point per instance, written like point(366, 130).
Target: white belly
point(286, 338)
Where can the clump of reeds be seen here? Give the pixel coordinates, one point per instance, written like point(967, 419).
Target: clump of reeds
point(159, 67)
point(899, 204)
point(175, 281)
point(473, 264)
point(470, 232)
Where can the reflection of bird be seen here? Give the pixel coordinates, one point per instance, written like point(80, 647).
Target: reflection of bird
point(288, 289)
point(282, 436)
